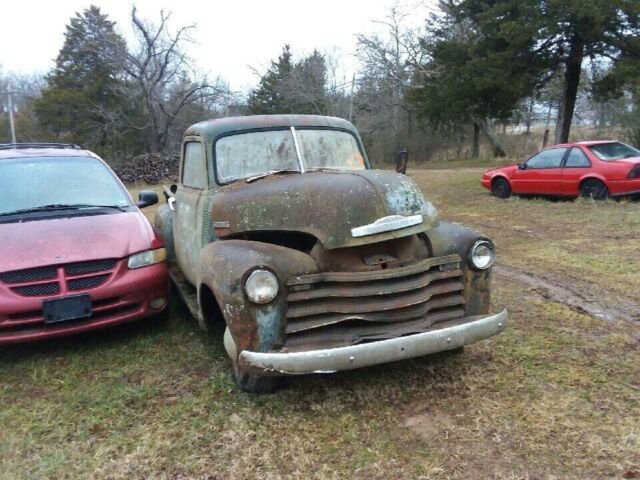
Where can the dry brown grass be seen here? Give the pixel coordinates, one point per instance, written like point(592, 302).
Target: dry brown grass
point(555, 396)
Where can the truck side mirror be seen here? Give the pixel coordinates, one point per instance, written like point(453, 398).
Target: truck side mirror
point(402, 158)
point(147, 198)
point(169, 191)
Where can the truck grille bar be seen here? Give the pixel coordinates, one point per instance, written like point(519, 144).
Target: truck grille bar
point(345, 308)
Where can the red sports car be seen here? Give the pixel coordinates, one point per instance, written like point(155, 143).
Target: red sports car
point(76, 253)
point(596, 169)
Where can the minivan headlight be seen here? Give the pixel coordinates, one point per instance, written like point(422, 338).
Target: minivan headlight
point(150, 257)
point(482, 254)
point(261, 286)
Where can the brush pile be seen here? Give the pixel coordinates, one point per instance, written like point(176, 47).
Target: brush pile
point(151, 168)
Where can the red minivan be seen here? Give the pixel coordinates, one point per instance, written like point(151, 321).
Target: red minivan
point(596, 169)
point(76, 253)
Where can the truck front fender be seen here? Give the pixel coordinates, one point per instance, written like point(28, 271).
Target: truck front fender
point(223, 269)
point(164, 226)
point(449, 238)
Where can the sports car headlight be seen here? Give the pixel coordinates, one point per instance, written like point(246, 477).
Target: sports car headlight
point(261, 286)
point(482, 254)
point(147, 258)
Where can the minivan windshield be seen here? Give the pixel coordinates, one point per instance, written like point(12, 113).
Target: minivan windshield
point(614, 151)
point(46, 182)
point(247, 155)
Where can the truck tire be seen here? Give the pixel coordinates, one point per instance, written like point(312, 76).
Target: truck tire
point(251, 383)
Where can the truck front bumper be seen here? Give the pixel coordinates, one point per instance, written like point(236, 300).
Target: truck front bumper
point(452, 335)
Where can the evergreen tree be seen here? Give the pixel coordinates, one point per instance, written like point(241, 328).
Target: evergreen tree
point(83, 87)
point(292, 87)
point(269, 96)
point(476, 72)
point(563, 34)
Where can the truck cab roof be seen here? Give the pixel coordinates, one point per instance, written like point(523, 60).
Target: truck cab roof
point(210, 130)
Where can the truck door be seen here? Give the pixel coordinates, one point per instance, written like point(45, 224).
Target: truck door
point(187, 227)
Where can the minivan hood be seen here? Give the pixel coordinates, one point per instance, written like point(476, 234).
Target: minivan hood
point(327, 205)
point(72, 239)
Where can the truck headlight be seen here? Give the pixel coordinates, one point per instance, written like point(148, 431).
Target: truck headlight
point(261, 286)
point(482, 254)
point(150, 257)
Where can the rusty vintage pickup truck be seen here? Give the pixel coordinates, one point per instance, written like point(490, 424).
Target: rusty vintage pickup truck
point(315, 262)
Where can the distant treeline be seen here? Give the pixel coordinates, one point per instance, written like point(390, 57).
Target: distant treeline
point(452, 85)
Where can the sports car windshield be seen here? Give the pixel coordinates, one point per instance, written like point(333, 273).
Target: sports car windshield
point(247, 155)
point(614, 151)
point(48, 182)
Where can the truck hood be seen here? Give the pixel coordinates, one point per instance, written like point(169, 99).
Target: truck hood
point(327, 205)
point(40, 243)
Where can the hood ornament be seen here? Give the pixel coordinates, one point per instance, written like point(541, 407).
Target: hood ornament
point(387, 224)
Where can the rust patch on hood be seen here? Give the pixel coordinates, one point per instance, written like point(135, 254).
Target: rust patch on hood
point(326, 205)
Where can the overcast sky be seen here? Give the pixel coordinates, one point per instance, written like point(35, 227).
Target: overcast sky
point(230, 36)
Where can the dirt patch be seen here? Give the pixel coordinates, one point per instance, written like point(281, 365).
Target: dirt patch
point(586, 302)
point(430, 423)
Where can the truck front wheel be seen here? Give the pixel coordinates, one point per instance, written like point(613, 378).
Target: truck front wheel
point(249, 382)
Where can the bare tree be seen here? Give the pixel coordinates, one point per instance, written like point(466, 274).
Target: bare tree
point(389, 63)
point(162, 79)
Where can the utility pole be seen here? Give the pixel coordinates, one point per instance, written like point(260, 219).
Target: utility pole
point(13, 128)
point(353, 87)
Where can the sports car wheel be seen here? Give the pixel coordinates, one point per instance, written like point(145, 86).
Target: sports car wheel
point(500, 188)
point(594, 189)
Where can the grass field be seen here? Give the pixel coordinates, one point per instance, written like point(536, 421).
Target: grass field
point(555, 396)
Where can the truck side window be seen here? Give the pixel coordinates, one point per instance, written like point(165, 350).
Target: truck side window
point(194, 168)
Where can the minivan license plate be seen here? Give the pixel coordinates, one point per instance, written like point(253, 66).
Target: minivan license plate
point(63, 309)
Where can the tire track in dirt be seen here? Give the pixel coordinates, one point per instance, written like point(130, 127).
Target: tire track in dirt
point(568, 295)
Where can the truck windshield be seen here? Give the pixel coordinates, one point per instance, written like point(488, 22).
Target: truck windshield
point(34, 183)
point(614, 151)
point(247, 155)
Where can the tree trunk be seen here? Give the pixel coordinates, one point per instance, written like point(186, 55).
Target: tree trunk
point(573, 68)
point(498, 149)
point(475, 152)
point(530, 115)
point(545, 138)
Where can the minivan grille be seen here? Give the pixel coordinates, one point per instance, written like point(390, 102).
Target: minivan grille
point(86, 282)
point(89, 267)
point(30, 275)
point(38, 290)
point(46, 281)
point(345, 308)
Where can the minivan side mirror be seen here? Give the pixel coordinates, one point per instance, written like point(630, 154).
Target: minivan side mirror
point(402, 158)
point(147, 198)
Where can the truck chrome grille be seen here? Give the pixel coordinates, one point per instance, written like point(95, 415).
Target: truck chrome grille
point(345, 308)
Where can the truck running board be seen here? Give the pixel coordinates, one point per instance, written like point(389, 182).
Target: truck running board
point(185, 290)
